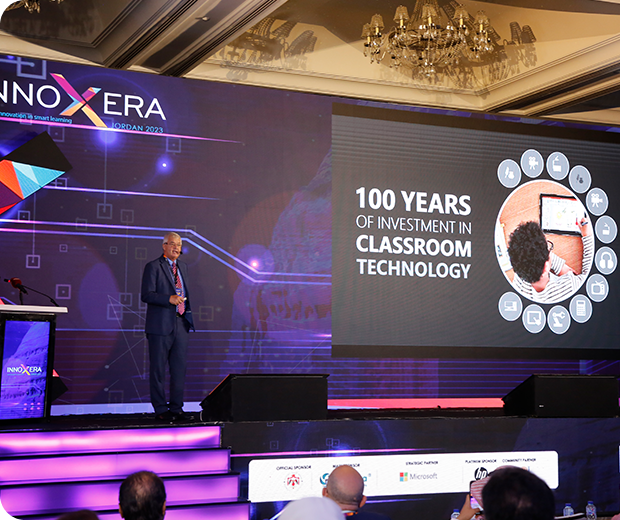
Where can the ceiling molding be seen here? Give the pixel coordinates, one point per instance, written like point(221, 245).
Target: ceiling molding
point(249, 14)
point(153, 28)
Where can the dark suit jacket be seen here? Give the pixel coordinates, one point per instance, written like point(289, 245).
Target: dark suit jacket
point(157, 287)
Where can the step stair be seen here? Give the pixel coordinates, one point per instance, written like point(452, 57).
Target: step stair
point(45, 474)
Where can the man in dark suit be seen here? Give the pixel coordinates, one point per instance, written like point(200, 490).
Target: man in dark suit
point(165, 290)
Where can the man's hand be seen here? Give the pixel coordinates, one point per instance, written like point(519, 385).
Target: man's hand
point(468, 512)
point(584, 227)
point(175, 299)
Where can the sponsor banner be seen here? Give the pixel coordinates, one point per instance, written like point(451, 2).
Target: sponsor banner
point(275, 480)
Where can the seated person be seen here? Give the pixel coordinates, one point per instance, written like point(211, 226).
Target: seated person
point(541, 275)
point(311, 508)
point(345, 486)
point(142, 496)
point(516, 494)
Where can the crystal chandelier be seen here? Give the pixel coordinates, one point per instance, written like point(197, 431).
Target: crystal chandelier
point(431, 39)
point(33, 6)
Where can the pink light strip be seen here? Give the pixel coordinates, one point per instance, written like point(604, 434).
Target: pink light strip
point(52, 443)
point(132, 193)
point(213, 512)
point(112, 465)
point(124, 131)
point(414, 404)
point(236, 511)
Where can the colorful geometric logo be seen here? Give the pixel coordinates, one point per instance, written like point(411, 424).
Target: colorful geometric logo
point(79, 102)
point(28, 168)
point(404, 476)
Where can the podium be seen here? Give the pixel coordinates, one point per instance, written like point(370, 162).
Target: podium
point(27, 334)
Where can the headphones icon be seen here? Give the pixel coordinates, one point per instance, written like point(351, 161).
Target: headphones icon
point(606, 263)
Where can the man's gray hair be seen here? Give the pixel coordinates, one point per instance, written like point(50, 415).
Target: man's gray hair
point(171, 234)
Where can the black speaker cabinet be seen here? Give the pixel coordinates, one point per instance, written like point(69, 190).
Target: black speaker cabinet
point(564, 396)
point(274, 397)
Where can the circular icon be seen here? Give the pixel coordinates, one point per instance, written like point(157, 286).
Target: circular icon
point(597, 201)
point(580, 308)
point(510, 306)
point(534, 318)
point(558, 319)
point(557, 166)
point(597, 288)
point(509, 173)
point(606, 260)
point(532, 163)
point(556, 215)
point(580, 179)
point(606, 229)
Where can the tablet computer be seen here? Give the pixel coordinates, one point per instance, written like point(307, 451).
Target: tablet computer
point(560, 214)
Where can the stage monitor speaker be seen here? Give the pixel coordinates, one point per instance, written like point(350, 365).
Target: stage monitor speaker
point(564, 396)
point(273, 397)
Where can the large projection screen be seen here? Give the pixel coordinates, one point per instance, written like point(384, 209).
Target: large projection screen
point(423, 209)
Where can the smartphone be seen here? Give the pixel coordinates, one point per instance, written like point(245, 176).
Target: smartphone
point(472, 500)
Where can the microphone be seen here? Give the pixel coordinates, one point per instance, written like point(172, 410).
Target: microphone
point(17, 283)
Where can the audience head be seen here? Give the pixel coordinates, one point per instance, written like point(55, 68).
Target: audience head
point(345, 486)
point(516, 494)
point(142, 497)
point(528, 250)
point(84, 514)
point(311, 508)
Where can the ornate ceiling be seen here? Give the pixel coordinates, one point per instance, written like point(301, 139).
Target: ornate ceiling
point(562, 60)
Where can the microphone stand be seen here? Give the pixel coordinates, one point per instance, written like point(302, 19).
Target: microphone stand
point(38, 292)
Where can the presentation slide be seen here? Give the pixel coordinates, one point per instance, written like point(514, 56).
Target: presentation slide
point(438, 246)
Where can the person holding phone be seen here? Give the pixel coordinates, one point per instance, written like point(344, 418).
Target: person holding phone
point(470, 509)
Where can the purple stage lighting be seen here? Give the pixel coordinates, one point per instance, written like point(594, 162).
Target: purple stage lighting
point(107, 137)
point(164, 164)
point(113, 465)
point(52, 443)
point(28, 500)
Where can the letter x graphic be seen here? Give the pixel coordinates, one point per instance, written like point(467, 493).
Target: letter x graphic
point(79, 102)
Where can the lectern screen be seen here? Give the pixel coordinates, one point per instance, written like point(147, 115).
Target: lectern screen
point(23, 384)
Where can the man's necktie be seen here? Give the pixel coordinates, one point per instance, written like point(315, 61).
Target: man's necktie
point(179, 286)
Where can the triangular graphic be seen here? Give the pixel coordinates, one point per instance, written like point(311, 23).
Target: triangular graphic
point(8, 197)
point(9, 178)
point(45, 175)
point(28, 168)
point(27, 185)
point(2, 210)
point(25, 169)
point(40, 151)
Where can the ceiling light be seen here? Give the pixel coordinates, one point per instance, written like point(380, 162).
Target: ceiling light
point(434, 39)
point(33, 6)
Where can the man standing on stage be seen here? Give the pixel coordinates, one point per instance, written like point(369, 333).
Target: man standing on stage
point(168, 320)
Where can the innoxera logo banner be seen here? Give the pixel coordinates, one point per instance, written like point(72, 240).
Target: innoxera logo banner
point(49, 96)
point(24, 370)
